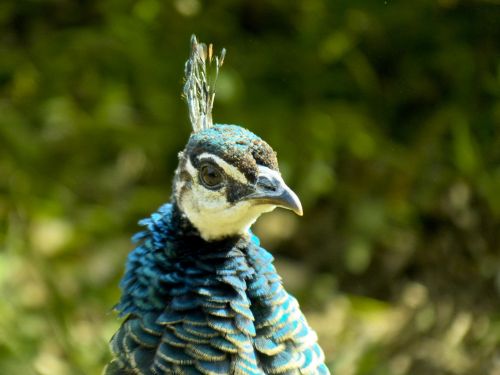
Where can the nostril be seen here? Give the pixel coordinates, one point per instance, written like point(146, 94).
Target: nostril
point(267, 184)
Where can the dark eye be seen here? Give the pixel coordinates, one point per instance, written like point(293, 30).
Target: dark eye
point(210, 176)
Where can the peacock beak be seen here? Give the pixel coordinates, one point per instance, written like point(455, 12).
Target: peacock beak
point(271, 189)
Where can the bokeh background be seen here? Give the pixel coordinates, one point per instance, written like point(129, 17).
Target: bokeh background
point(386, 119)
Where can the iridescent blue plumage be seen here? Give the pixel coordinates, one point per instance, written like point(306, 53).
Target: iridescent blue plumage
point(207, 307)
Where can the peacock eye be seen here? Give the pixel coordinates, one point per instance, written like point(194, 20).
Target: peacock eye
point(210, 176)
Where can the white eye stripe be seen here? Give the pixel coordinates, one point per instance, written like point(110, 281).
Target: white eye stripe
point(229, 169)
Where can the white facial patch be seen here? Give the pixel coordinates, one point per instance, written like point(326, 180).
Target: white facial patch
point(217, 222)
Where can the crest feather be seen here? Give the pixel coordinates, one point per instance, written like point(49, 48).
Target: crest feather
point(201, 72)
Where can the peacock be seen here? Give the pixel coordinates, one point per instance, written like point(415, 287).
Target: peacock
point(199, 294)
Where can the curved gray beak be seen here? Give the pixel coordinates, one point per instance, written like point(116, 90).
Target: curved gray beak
point(271, 189)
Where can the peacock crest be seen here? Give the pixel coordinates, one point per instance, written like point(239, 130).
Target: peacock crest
point(201, 73)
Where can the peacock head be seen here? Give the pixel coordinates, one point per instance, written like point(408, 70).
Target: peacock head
point(227, 176)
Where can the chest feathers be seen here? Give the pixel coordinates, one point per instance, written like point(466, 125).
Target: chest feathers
point(210, 311)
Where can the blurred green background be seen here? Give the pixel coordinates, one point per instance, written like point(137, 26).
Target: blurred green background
point(386, 119)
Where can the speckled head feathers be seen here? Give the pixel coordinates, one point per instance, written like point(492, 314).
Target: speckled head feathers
point(236, 145)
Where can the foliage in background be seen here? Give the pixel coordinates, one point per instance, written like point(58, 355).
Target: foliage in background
point(386, 117)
